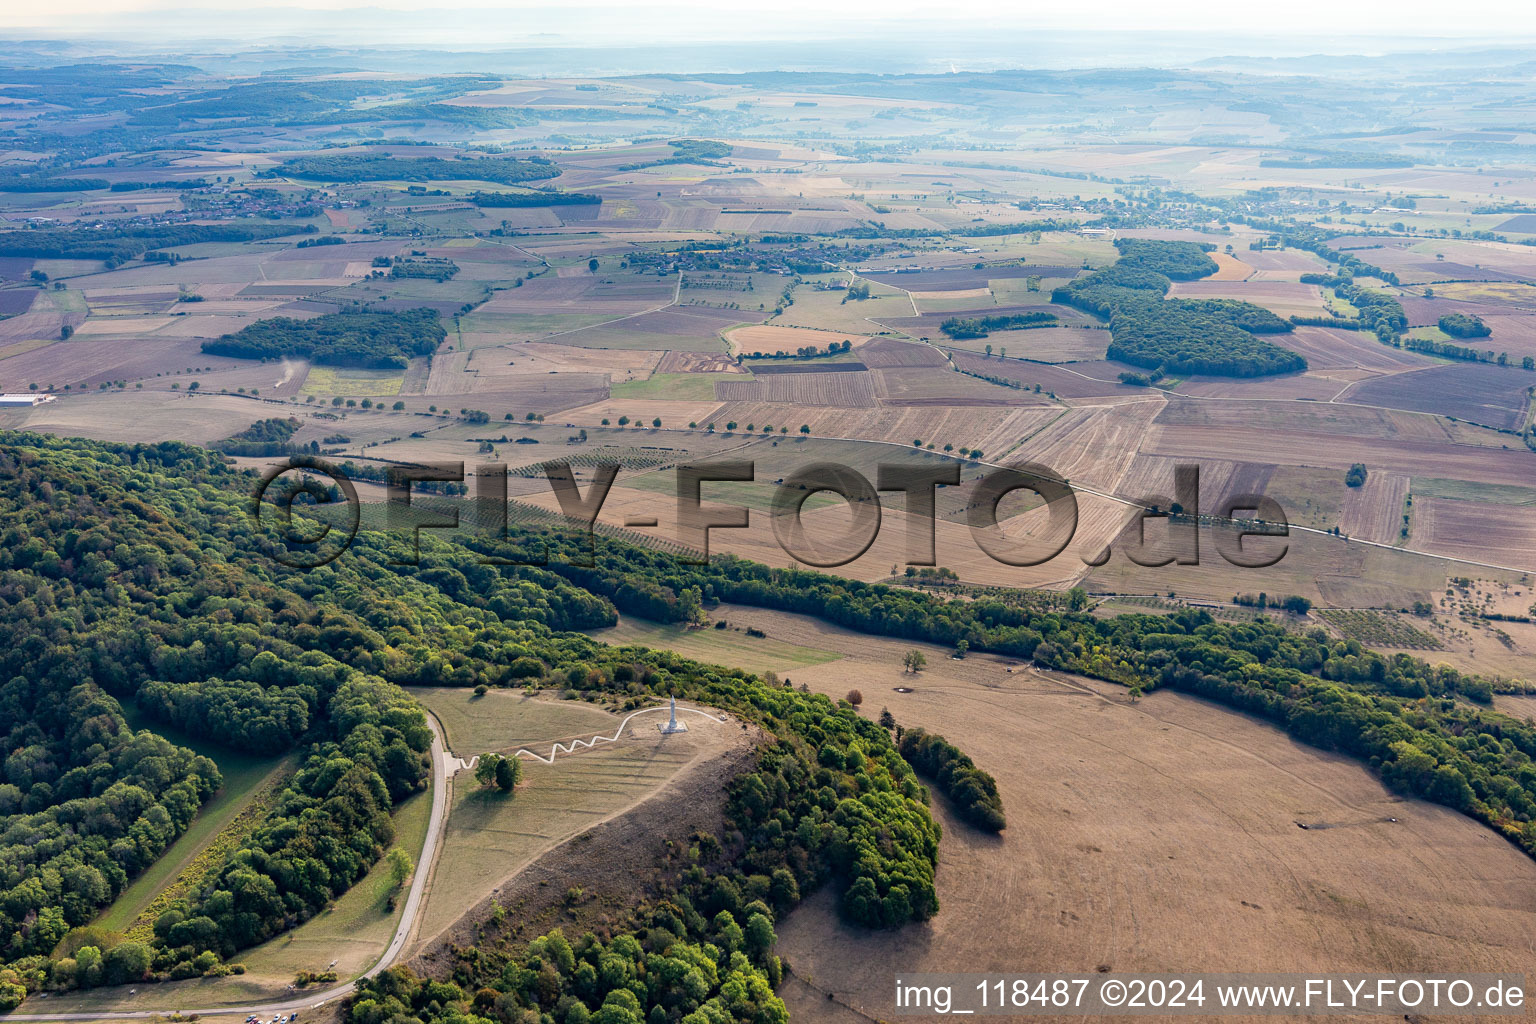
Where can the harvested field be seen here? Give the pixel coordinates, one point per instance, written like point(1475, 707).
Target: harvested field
point(964, 279)
point(926, 325)
point(1040, 344)
point(1230, 268)
point(540, 393)
point(540, 357)
point(672, 329)
point(1298, 386)
point(142, 416)
point(1281, 297)
point(846, 390)
point(1341, 421)
point(1328, 348)
point(889, 354)
point(1482, 531)
point(89, 363)
point(1321, 448)
point(840, 364)
point(1374, 511)
point(1495, 396)
point(923, 386)
point(672, 413)
point(1092, 446)
point(1281, 261)
point(963, 293)
point(1078, 381)
point(698, 362)
point(770, 339)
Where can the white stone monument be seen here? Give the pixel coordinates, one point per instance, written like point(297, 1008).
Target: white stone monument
point(673, 725)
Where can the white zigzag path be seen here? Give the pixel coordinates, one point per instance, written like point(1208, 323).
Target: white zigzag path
point(458, 764)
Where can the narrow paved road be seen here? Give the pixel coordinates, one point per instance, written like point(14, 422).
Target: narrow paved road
point(310, 999)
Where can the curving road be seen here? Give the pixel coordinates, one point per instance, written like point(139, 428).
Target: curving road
point(311, 999)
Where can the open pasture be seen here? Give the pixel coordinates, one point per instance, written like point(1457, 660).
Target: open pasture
point(491, 836)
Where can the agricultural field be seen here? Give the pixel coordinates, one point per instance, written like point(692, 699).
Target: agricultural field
point(398, 258)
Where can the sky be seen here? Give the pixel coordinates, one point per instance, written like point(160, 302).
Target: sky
point(493, 23)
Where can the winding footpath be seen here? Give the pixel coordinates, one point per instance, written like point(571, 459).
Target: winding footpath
point(444, 766)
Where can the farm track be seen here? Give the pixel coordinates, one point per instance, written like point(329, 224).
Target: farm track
point(413, 902)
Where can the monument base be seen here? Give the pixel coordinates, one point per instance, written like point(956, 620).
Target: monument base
point(671, 727)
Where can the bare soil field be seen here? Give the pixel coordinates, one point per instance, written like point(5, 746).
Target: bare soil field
point(1484, 531)
point(1327, 348)
point(1375, 510)
point(1151, 837)
point(695, 329)
point(1495, 396)
point(888, 354)
point(1281, 297)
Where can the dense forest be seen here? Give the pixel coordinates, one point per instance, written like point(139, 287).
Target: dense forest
point(1464, 325)
point(125, 576)
point(365, 165)
point(138, 568)
point(368, 340)
point(1211, 336)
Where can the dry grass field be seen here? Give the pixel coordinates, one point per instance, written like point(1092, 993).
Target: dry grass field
point(1151, 837)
